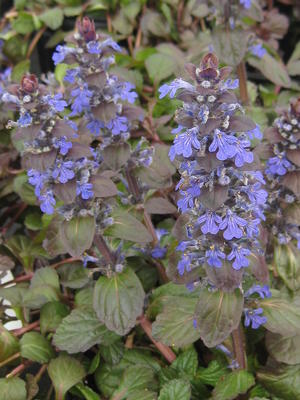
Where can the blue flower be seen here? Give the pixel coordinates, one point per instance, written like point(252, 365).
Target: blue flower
point(87, 258)
point(118, 125)
point(233, 224)
point(95, 126)
point(210, 220)
point(63, 145)
point(253, 317)
point(246, 3)
point(242, 154)
point(81, 102)
point(127, 93)
point(214, 256)
point(225, 143)
point(238, 254)
point(63, 171)
point(60, 53)
point(255, 133)
point(258, 50)
point(278, 165)
point(187, 200)
point(85, 190)
point(56, 102)
point(252, 228)
point(184, 264)
point(47, 202)
point(36, 179)
point(158, 252)
point(262, 291)
point(93, 47)
point(25, 120)
point(71, 74)
point(184, 144)
point(230, 84)
point(172, 88)
point(255, 193)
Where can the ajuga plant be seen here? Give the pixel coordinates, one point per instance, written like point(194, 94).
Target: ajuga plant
point(221, 194)
point(282, 171)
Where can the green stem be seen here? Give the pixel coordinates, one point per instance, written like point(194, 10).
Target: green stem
point(9, 359)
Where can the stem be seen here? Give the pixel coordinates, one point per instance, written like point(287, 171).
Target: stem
point(104, 249)
point(40, 372)
point(35, 41)
point(29, 327)
point(150, 227)
point(9, 359)
point(242, 75)
point(146, 325)
point(239, 347)
point(132, 184)
point(17, 370)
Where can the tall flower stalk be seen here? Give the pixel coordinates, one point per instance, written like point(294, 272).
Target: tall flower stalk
point(220, 191)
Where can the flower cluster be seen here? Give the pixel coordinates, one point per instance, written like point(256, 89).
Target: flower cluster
point(283, 173)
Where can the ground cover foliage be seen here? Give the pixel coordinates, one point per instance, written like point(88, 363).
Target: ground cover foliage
point(149, 161)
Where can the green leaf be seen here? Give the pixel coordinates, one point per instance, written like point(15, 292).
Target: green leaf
point(19, 70)
point(9, 345)
point(53, 18)
point(33, 221)
point(293, 66)
point(78, 234)
point(87, 392)
point(38, 296)
point(139, 357)
point(233, 384)
point(218, 314)
point(119, 300)
point(25, 250)
point(36, 348)
point(13, 389)
point(45, 276)
point(175, 389)
point(159, 205)
point(113, 353)
point(24, 23)
point(14, 294)
point(65, 372)
point(283, 315)
point(51, 316)
point(24, 189)
point(159, 67)
point(60, 72)
point(107, 378)
point(187, 362)
point(142, 394)
point(73, 275)
point(128, 227)
point(286, 259)
point(174, 326)
point(81, 330)
point(283, 381)
point(211, 375)
point(284, 349)
point(272, 69)
point(134, 378)
point(230, 45)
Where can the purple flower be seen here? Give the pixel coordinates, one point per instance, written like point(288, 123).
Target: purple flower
point(60, 53)
point(255, 133)
point(252, 228)
point(110, 43)
point(242, 154)
point(225, 143)
point(187, 200)
point(118, 125)
point(213, 257)
point(232, 223)
point(63, 171)
point(81, 102)
point(85, 190)
point(230, 84)
point(95, 126)
point(210, 220)
point(238, 254)
point(182, 245)
point(87, 258)
point(255, 193)
point(278, 165)
point(56, 102)
point(158, 252)
point(71, 74)
point(253, 317)
point(258, 50)
point(184, 264)
point(172, 88)
point(36, 179)
point(246, 3)
point(47, 202)
point(184, 144)
point(127, 93)
point(262, 291)
point(93, 47)
point(63, 145)
point(24, 120)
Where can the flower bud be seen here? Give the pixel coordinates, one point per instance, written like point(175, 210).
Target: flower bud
point(29, 83)
point(86, 28)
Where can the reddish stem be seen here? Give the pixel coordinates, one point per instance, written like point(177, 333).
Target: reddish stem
point(146, 325)
point(242, 75)
point(18, 369)
point(29, 327)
